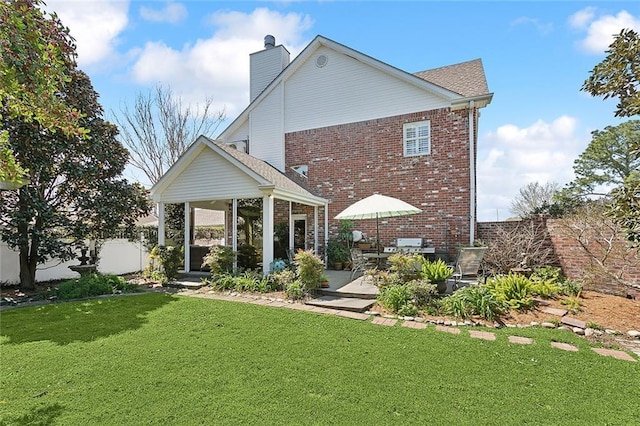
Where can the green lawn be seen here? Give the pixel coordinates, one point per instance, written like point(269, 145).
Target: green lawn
point(158, 359)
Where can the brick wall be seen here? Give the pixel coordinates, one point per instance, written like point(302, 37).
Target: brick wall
point(352, 161)
point(574, 259)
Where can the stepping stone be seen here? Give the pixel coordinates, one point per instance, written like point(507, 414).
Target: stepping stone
point(555, 311)
point(446, 329)
point(342, 303)
point(352, 315)
point(482, 335)
point(564, 346)
point(573, 322)
point(413, 324)
point(520, 340)
point(616, 354)
point(384, 321)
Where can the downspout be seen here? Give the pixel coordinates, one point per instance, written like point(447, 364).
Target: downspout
point(472, 174)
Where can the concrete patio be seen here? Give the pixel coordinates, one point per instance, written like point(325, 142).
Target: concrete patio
point(344, 294)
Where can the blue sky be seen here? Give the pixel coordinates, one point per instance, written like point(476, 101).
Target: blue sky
point(536, 56)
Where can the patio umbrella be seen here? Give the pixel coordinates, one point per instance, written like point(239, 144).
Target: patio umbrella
point(375, 207)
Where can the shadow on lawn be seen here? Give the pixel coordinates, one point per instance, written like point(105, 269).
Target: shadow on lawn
point(64, 323)
point(40, 416)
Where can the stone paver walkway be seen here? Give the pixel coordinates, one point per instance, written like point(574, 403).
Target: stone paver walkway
point(390, 322)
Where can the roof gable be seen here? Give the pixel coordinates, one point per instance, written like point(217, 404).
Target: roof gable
point(466, 78)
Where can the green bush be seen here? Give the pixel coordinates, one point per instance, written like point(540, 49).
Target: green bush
point(247, 257)
point(310, 269)
point(219, 260)
point(545, 289)
point(422, 292)
point(514, 289)
point(394, 297)
point(474, 300)
point(407, 266)
point(571, 287)
point(295, 290)
point(436, 271)
point(281, 279)
point(408, 310)
point(93, 285)
point(547, 273)
point(170, 259)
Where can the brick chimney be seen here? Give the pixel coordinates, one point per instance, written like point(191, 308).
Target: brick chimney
point(265, 66)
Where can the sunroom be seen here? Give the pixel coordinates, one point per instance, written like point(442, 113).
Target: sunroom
point(212, 175)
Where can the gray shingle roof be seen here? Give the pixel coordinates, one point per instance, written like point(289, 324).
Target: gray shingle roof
point(264, 169)
point(466, 78)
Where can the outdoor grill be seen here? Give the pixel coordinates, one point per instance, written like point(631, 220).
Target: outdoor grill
point(410, 245)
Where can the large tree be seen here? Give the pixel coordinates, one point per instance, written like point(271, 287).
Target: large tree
point(534, 198)
point(609, 159)
point(75, 190)
point(618, 75)
point(36, 51)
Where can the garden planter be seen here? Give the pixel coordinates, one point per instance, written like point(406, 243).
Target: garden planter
point(337, 266)
point(441, 286)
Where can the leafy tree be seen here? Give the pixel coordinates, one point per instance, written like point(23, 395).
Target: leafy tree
point(618, 74)
point(534, 198)
point(607, 162)
point(36, 52)
point(75, 190)
point(160, 128)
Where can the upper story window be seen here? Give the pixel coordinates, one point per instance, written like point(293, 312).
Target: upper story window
point(417, 138)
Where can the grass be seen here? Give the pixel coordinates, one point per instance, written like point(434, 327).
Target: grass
point(158, 359)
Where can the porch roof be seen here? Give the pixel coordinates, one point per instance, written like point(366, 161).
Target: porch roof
point(210, 170)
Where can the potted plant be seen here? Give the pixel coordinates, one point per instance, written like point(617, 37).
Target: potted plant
point(324, 281)
point(338, 253)
point(438, 273)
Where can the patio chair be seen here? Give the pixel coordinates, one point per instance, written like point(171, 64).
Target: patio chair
point(467, 264)
point(358, 262)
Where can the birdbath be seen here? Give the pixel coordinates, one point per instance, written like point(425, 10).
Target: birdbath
point(83, 268)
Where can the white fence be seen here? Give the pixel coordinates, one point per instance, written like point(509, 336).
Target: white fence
point(117, 256)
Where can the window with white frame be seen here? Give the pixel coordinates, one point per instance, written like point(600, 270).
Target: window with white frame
point(417, 138)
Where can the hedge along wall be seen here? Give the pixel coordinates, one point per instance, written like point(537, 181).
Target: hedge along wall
point(574, 256)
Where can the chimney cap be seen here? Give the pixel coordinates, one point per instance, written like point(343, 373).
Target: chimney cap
point(269, 41)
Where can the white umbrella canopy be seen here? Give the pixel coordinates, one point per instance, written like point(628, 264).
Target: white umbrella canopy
point(375, 207)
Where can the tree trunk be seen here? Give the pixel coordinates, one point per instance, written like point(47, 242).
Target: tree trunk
point(27, 271)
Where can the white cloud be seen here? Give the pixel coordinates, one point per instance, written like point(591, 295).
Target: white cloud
point(172, 13)
point(600, 31)
point(95, 25)
point(218, 67)
point(541, 27)
point(512, 157)
point(581, 18)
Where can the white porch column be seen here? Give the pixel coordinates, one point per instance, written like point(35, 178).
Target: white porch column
point(315, 229)
point(267, 232)
point(161, 231)
point(187, 237)
point(291, 230)
point(326, 233)
point(234, 231)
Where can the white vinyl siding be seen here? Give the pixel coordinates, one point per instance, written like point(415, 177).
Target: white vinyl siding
point(209, 177)
point(266, 137)
point(348, 91)
point(417, 138)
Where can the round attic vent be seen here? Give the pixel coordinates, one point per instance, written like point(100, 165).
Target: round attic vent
point(321, 61)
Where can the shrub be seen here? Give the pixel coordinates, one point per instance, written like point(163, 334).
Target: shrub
point(571, 287)
point(474, 300)
point(170, 259)
point(408, 310)
point(573, 303)
point(295, 290)
point(407, 266)
point(222, 281)
point(545, 289)
point(383, 279)
point(394, 297)
point(514, 289)
point(547, 273)
point(310, 269)
point(436, 271)
point(280, 280)
point(277, 265)
point(422, 292)
point(92, 285)
point(219, 260)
